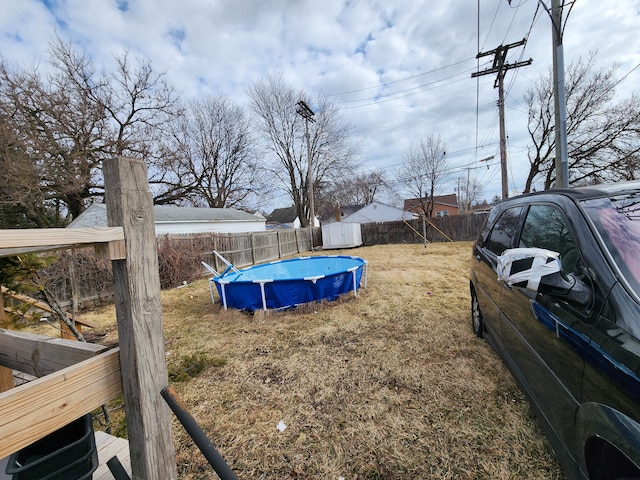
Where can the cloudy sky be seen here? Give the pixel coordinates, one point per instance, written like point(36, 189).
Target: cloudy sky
point(398, 70)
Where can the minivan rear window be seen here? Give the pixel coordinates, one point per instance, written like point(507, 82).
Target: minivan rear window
point(618, 222)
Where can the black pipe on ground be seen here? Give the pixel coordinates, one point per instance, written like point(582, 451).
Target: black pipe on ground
point(197, 434)
point(117, 470)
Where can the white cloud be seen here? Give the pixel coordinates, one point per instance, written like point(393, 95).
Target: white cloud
point(398, 70)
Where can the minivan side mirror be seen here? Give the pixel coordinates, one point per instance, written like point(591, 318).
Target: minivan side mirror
point(539, 271)
point(525, 267)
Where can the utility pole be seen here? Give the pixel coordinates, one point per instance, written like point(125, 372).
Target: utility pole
point(304, 111)
point(559, 93)
point(559, 97)
point(500, 67)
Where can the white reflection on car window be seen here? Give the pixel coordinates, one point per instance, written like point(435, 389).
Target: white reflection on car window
point(619, 225)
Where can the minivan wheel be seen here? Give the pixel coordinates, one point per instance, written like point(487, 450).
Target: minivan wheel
point(476, 315)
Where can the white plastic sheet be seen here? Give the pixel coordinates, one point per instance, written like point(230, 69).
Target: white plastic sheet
point(543, 262)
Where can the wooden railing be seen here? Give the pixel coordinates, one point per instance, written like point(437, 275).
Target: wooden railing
point(67, 390)
point(108, 242)
point(75, 377)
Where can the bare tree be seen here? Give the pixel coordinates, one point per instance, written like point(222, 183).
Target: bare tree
point(602, 134)
point(136, 99)
point(138, 104)
point(332, 149)
point(424, 170)
point(60, 130)
point(472, 193)
point(70, 118)
point(22, 202)
point(355, 189)
point(218, 160)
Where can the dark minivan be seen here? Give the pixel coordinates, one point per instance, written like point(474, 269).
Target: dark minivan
point(555, 289)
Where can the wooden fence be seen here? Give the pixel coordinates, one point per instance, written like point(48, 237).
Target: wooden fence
point(457, 228)
point(243, 249)
point(78, 279)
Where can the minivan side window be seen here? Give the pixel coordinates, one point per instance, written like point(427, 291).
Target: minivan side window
point(545, 227)
point(503, 231)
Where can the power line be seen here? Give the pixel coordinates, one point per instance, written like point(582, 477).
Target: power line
point(623, 77)
point(397, 95)
point(360, 106)
point(400, 80)
point(495, 15)
point(533, 22)
point(423, 121)
point(478, 84)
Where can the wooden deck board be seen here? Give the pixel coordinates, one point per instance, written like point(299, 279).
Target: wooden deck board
point(109, 446)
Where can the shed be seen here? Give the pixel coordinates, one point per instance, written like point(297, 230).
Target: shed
point(341, 235)
point(182, 220)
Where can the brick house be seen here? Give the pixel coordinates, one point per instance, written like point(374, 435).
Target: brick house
point(443, 205)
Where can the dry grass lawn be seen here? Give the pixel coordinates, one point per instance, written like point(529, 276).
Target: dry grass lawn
point(390, 384)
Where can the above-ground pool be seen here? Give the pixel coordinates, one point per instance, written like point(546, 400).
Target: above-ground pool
point(287, 283)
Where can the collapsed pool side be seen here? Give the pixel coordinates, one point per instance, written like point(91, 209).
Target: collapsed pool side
point(287, 283)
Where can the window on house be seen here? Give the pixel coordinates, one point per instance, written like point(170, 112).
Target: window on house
point(442, 213)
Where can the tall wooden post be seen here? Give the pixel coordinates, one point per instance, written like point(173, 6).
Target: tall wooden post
point(503, 138)
point(139, 315)
point(500, 66)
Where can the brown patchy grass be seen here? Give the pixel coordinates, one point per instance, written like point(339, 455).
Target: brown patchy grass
point(390, 384)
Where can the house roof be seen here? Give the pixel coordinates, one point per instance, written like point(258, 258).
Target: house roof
point(345, 211)
point(349, 209)
point(378, 212)
point(96, 215)
point(192, 214)
point(283, 215)
point(450, 200)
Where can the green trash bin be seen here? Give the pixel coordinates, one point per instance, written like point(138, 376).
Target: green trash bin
point(67, 454)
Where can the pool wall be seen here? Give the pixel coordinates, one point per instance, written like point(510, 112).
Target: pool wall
point(287, 283)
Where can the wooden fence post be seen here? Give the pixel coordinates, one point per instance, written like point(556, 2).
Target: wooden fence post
point(139, 315)
point(279, 247)
point(253, 248)
point(6, 374)
point(1, 308)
